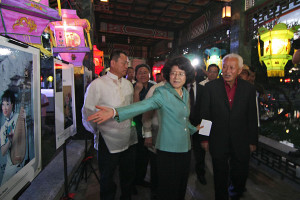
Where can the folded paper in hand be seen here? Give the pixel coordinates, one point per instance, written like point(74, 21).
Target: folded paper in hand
point(206, 129)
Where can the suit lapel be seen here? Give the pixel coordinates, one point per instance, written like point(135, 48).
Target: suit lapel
point(173, 91)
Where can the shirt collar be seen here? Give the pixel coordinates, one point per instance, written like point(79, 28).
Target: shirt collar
point(173, 91)
point(113, 76)
point(189, 85)
point(227, 85)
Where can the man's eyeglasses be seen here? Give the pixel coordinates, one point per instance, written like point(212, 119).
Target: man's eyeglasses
point(180, 74)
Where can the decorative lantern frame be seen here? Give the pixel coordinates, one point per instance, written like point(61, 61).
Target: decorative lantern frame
point(68, 38)
point(276, 48)
point(214, 56)
point(26, 20)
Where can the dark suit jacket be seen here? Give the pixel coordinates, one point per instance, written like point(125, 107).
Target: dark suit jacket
point(195, 117)
point(233, 130)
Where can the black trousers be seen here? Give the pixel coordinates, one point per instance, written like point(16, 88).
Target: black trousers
point(108, 163)
point(230, 175)
point(153, 172)
point(142, 160)
point(199, 155)
point(173, 172)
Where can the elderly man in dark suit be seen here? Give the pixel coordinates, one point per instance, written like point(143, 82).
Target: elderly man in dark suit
point(230, 104)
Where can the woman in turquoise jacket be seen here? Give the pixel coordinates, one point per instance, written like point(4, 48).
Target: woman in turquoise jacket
point(173, 142)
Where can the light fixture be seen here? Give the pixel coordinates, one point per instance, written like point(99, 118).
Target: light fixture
point(226, 11)
point(276, 48)
point(195, 62)
point(106, 1)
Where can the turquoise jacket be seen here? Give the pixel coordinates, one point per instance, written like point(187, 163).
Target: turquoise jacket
point(173, 115)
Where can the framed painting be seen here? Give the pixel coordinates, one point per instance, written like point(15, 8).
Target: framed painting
point(20, 117)
point(65, 112)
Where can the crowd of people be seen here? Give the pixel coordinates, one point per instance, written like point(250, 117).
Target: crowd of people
point(136, 122)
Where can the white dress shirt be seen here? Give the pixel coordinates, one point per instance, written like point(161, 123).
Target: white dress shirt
point(109, 91)
point(204, 82)
point(150, 118)
point(194, 88)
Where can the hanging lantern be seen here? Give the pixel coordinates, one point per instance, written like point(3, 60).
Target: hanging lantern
point(98, 60)
point(276, 47)
point(26, 20)
point(69, 36)
point(214, 56)
point(226, 11)
point(157, 67)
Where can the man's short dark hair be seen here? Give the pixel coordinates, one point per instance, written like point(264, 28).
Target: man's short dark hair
point(213, 65)
point(115, 55)
point(184, 64)
point(142, 65)
point(9, 96)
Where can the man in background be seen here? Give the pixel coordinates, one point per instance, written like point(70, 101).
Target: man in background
point(159, 78)
point(212, 73)
point(141, 88)
point(196, 92)
point(130, 75)
point(245, 73)
point(150, 131)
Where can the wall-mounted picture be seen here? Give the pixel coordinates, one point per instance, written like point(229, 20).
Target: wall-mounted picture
point(20, 116)
point(65, 113)
point(68, 111)
point(58, 73)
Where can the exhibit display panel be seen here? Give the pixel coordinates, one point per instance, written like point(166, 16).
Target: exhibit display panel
point(20, 117)
point(65, 113)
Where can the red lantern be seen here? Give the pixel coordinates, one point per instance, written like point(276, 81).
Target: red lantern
point(98, 60)
point(157, 67)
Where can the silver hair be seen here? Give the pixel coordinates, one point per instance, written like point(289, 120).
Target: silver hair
point(234, 55)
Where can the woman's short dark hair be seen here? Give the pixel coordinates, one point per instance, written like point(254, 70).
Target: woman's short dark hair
point(184, 64)
point(9, 96)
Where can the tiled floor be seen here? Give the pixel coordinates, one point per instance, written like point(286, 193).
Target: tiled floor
point(262, 184)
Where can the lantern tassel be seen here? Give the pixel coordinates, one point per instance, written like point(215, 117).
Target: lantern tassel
point(259, 52)
point(59, 7)
point(288, 46)
point(87, 30)
point(205, 62)
point(53, 44)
